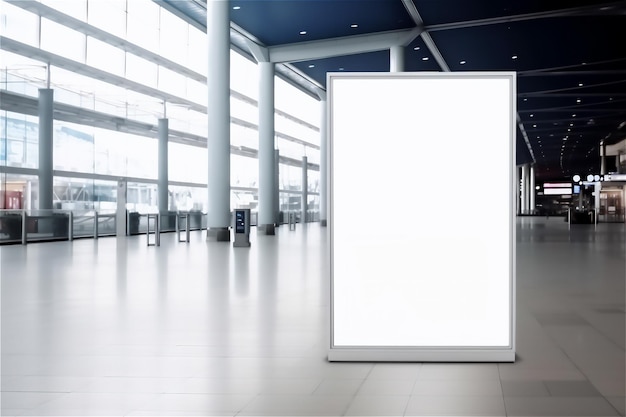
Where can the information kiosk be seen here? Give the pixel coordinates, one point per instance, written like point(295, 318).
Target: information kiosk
point(242, 228)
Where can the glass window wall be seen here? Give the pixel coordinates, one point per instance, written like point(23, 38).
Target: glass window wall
point(143, 24)
point(105, 57)
point(19, 140)
point(108, 15)
point(95, 151)
point(74, 8)
point(61, 40)
point(187, 163)
point(19, 24)
point(293, 101)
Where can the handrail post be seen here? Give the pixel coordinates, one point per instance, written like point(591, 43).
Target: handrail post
point(70, 226)
point(188, 226)
point(177, 224)
point(569, 217)
point(24, 219)
point(187, 218)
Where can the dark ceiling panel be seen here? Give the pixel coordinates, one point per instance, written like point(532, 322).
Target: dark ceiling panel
point(570, 57)
point(544, 43)
point(371, 61)
point(276, 22)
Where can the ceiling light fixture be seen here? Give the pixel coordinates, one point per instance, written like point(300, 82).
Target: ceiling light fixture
point(578, 100)
point(580, 84)
point(236, 7)
point(417, 48)
point(354, 25)
point(311, 66)
point(303, 32)
point(462, 62)
point(514, 57)
point(425, 58)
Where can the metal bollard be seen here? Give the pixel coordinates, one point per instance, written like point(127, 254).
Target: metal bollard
point(180, 216)
point(95, 225)
point(292, 220)
point(157, 230)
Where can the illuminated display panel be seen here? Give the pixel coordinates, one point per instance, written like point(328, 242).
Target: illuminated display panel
point(433, 278)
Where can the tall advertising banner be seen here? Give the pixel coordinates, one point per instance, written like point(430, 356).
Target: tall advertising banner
point(422, 268)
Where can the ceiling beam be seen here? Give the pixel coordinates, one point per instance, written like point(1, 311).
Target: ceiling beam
point(348, 45)
point(550, 94)
point(560, 73)
point(428, 40)
point(430, 44)
point(573, 11)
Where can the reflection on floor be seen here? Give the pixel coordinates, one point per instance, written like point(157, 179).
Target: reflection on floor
point(113, 327)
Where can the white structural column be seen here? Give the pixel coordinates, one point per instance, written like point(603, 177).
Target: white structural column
point(218, 110)
point(46, 103)
point(323, 163)
point(603, 159)
point(277, 218)
point(396, 58)
point(517, 190)
point(266, 148)
point(531, 190)
point(305, 189)
point(163, 178)
point(525, 184)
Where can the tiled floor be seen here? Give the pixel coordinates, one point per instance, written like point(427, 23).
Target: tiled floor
point(113, 327)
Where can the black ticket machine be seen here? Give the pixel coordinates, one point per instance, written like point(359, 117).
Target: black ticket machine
point(242, 228)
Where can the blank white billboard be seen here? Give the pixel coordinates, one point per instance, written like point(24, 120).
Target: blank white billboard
point(422, 265)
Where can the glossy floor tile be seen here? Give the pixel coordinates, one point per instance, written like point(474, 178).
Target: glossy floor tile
point(114, 327)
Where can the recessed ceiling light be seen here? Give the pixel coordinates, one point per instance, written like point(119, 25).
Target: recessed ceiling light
point(532, 115)
point(580, 84)
point(354, 25)
point(341, 69)
point(417, 48)
point(303, 32)
point(311, 65)
point(514, 57)
point(573, 115)
point(571, 124)
point(462, 62)
point(236, 7)
point(578, 100)
point(425, 58)
point(534, 125)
